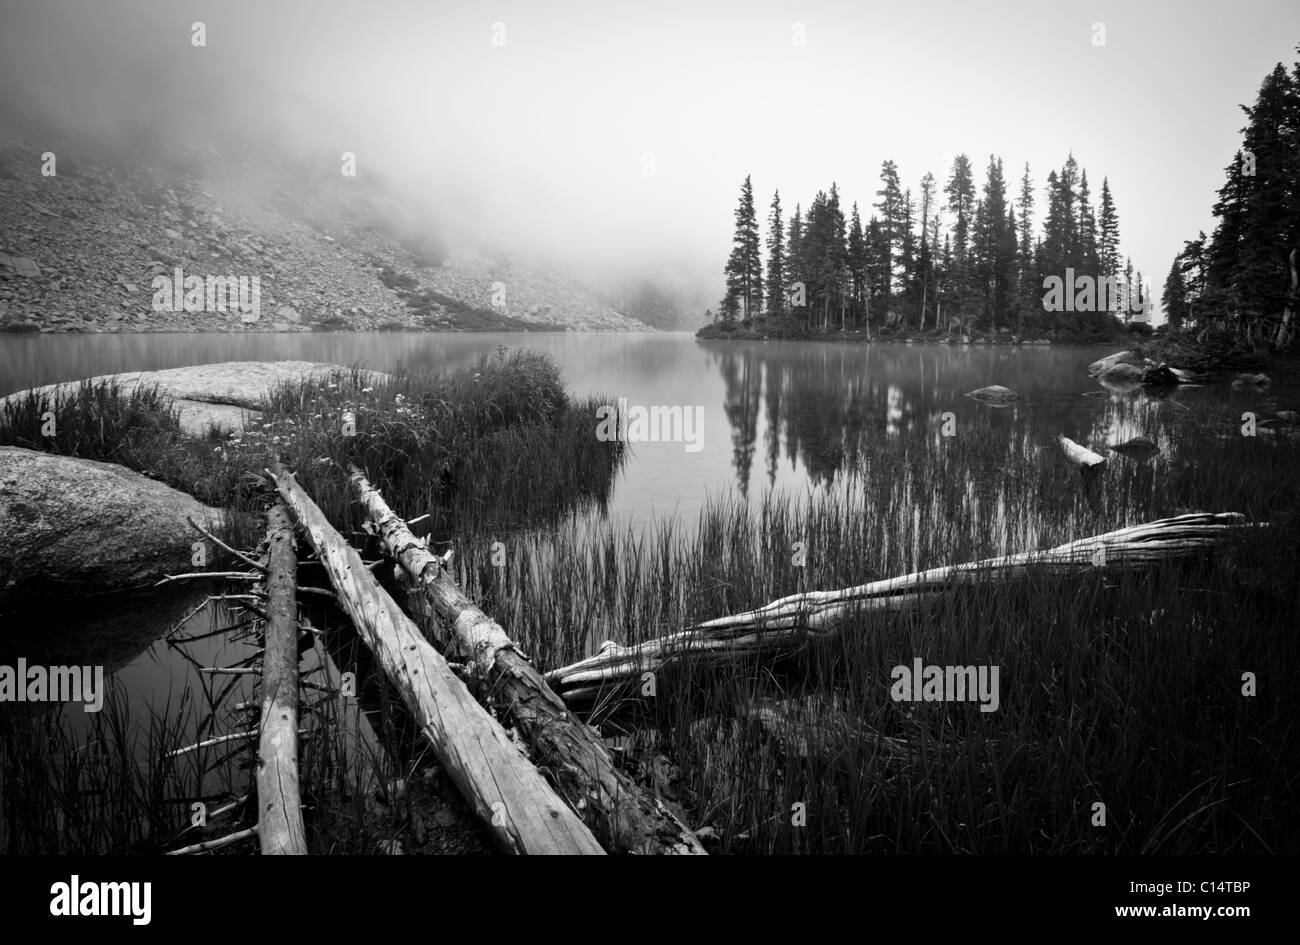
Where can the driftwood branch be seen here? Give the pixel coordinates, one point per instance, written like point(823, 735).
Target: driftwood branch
point(791, 621)
point(507, 793)
point(1081, 456)
point(221, 544)
point(209, 845)
point(617, 810)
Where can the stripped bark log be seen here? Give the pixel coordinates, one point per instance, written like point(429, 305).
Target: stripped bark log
point(505, 791)
point(621, 815)
point(1081, 456)
point(791, 621)
point(279, 819)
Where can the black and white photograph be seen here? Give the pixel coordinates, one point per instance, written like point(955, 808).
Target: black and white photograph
point(717, 428)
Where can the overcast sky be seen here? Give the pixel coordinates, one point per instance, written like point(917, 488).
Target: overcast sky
point(543, 143)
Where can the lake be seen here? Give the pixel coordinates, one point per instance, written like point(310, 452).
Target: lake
point(776, 415)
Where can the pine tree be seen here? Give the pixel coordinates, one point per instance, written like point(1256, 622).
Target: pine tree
point(794, 273)
point(775, 259)
point(857, 265)
point(1108, 240)
point(1029, 281)
point(961, 202)
point(907, 253)
point(744, 269)
point(1089, 263)
point(925, 255)
point(988, 254)
point(890, 208)
point(1174, 298)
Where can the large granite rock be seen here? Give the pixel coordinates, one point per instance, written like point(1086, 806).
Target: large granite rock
point(1102, 365)
point(75, 526)
point(224, 394)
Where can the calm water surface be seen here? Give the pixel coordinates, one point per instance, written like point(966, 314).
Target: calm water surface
point(777, 415)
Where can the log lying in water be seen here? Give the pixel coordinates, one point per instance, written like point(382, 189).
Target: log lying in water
point(505, 791)
point(624, 818)
point(791, 621)
point(279, 818)
point(1081, 456)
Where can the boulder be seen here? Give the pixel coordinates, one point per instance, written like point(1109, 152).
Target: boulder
point(1122, 371)
point(1138, 448)
point(76, 526)
point(226, 393)
point(1102, 365)
point(995, 394)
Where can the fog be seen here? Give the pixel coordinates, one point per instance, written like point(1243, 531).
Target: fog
point(611, 138)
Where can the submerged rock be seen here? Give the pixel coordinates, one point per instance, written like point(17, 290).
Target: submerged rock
point(76, 526)
point(1139, 448)
point(1251, 380)
point(995, 394)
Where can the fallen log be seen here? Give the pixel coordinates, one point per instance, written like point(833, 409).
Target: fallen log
point(507, 793)
point(1081, 456)
point(279, 817)
point(791, 621)
point(621, 815)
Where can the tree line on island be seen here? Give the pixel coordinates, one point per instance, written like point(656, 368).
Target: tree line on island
point(823, 270)
point(1241, 282)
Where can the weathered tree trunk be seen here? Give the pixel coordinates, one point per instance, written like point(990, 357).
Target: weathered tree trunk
point(791, 621)
point(279, 816)
point(1081, 456)
point(505, 791)
point(611, 803)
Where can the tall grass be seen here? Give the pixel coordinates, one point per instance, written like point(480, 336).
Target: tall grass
point(1123, 690)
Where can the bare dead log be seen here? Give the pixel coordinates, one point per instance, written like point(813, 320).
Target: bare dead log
point(791, 621)
point(506, 792)
point(279, 818)
point(622, 816)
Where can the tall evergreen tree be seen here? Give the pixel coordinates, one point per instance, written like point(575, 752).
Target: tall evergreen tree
point(1089, 263)
point(1030, 285)
point(857, 266)
point(775, 259)
point(890, 210)
point(990, 262)
point(961, 203)
point(1174, 298)
point(794, 274)
point(1108, 238)
point(744, 269)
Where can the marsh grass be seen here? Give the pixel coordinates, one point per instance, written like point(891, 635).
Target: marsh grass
point(1123, 689)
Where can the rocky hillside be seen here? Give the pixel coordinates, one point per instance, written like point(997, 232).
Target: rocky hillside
point(81, 250)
